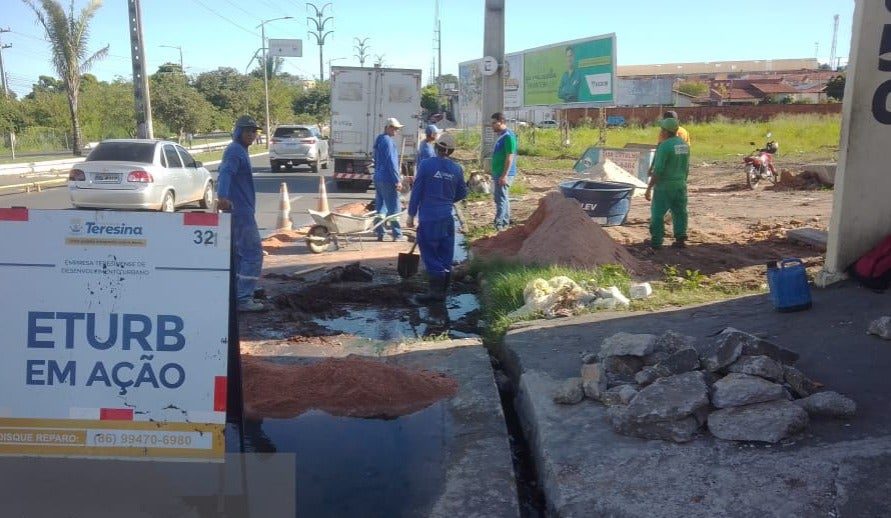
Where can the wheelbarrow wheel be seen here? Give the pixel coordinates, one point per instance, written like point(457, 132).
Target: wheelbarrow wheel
point(318, 239)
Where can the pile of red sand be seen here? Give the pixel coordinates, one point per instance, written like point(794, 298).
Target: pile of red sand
point(558, 232)
point(281, 239)
point(353, 387)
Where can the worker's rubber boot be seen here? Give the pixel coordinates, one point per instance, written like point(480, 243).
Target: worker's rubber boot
point(436, 291)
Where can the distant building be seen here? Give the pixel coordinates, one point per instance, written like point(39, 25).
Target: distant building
point(710, 69)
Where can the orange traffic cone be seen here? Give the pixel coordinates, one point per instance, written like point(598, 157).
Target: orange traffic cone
point(323, 196)
point(284, 210)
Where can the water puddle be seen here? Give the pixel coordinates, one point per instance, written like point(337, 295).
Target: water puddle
point(361, 467)
point(458, 314)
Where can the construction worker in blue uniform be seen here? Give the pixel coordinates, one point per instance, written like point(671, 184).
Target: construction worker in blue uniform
point(235, 193)
point(439, 184)
point(425, 148)
point(387, 179)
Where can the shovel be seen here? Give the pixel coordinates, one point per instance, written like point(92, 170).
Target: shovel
point(407, 264)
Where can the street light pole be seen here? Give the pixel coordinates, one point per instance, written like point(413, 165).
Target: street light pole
point(320, 33)
point(262, 27)
point(180, 49)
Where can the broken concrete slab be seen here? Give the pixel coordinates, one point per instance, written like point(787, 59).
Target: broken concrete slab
point(737, 389)
point(670, 398)
point(725, 349)
point(675, 430)
point(761, 366)
point(569, 392)
point(627, 344)
point(828, 404)
point(770, 422)
point(582, 461)
point(810, 237)
point(800, 384)
point(621, 395)
point(757, 346)
point(881, 327)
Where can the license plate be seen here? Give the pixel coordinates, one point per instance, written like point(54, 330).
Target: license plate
point(107, 178)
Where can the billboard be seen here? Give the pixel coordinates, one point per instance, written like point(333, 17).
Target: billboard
point(581, 71)
point(645, 92)
point(106, 352)
point(512, 71)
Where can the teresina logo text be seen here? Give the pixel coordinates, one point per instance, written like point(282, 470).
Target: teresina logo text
point(113, 230)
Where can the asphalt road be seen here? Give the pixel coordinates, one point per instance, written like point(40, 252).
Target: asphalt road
point(303, 188)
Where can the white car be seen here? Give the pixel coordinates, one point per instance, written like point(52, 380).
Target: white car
point(295, 144)
point(548, 124)
point(139, 174)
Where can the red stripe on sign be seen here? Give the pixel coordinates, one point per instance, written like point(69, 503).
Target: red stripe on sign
point(219, 394)
point(201, 219)
point(14, 214)
point(115, 414)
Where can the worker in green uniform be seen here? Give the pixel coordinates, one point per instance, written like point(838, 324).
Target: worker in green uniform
point(668, 185)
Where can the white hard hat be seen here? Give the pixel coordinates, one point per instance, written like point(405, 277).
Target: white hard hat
point(392, 121)
point(447, 141)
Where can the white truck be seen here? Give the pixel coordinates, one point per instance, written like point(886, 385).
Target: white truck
point(362, 99)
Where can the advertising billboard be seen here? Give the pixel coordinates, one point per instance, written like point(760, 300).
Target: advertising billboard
point(512, 71)
point(581, 71)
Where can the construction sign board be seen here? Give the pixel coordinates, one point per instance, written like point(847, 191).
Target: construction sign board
point(114, 334)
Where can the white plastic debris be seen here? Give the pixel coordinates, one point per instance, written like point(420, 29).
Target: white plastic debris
point(561, 296)
point(640, 290)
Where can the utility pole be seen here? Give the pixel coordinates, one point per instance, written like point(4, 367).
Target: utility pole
point(262, 27)
point(493, 82)
point(320, 34)
point(832, 49)
point(141, 94)
point(6, 87)
point(361, 47)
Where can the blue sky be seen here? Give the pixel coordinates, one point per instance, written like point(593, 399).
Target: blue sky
point(216, 33)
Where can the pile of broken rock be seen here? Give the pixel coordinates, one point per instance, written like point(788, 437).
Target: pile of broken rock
point(741, 387)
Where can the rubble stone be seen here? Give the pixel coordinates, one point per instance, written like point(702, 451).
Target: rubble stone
point(742, 389)
point(672, 342)
point(670, 398)
point(677, 430)
point(828, 404)
point(589, 358)
point(881, 327)
point(640, 290)
point(767, 422)
point(621, 369)
point(594, 389)
point(762, 366)
point(725, 350)
point(570, 392)
point(647, 375)
point(621, 395)
point(592, 372)
point(799, 383)
point(627, 344)
point(684, 360)
point(654, 357)
point(755, 346)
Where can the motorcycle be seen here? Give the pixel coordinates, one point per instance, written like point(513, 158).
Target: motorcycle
point(759, 164)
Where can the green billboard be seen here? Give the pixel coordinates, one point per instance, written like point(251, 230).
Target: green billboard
point(582, 71)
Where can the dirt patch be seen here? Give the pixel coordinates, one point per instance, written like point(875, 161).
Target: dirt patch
point(805, 180)
point(282, 239)
point(353, 387)
point(559, 232)
point(327, 297)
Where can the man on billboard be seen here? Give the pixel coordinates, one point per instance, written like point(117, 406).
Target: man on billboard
point(568, 91)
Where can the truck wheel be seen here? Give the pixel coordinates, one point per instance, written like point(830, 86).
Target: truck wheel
point(276, 167)
point(318, 239)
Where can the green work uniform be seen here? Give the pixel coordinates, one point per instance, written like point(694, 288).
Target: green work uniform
point(670, 167)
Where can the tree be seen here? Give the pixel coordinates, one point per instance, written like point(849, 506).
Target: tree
point(430, 98)
point(46, 84)
point(446, 79)
point(314, 103)
point(179, 106)
point(693, 88)
point(835, 87)
point(226, 89)
point(68, 36)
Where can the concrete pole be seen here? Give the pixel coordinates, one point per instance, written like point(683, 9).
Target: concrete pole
point(141, 94)
point(493, 85)
point(265, 80)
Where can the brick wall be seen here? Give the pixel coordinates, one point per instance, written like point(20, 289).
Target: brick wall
point(704, 113)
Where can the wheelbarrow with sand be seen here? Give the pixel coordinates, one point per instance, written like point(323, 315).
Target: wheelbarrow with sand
point(332, 227)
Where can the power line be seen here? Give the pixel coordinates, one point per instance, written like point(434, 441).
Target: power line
point(218, 15)
point(233, 4)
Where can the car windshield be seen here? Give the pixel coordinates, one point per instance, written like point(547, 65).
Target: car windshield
point(292, 133)
point(143, 152)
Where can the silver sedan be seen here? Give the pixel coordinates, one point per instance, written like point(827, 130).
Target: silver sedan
point(139, 174)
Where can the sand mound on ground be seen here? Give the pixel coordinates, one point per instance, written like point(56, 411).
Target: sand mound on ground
point(558, 232)
point(353, 387)
point(608, 171)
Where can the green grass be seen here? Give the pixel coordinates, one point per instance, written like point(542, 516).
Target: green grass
point(504, 283)
point(801, 137)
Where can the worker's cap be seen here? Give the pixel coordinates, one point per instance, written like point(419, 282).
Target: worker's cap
point(431, 129)
point(246, 121)
point(392, 121)
point(446, 141)
point(669, 124)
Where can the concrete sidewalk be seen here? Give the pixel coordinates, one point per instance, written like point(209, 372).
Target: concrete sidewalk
point(836, 468)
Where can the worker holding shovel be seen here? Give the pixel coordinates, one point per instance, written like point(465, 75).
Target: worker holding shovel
point(439, 184)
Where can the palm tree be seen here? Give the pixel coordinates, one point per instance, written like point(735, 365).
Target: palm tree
point(68, 37)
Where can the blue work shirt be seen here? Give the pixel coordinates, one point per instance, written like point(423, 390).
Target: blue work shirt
point(425, 151)
point(236, 179)
point(386, 160)
point(438, 184)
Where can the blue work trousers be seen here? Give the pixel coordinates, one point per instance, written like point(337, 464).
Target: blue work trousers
point(502, 203)
point(248, 255)
point(436, 239)
point(387, 203)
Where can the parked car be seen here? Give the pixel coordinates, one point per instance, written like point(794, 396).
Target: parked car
point(548, 124)
point(294, 144)
point(614, 121)
point(139, 174)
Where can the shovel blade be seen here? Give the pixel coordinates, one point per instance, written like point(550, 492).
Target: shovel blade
point(407, 264)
